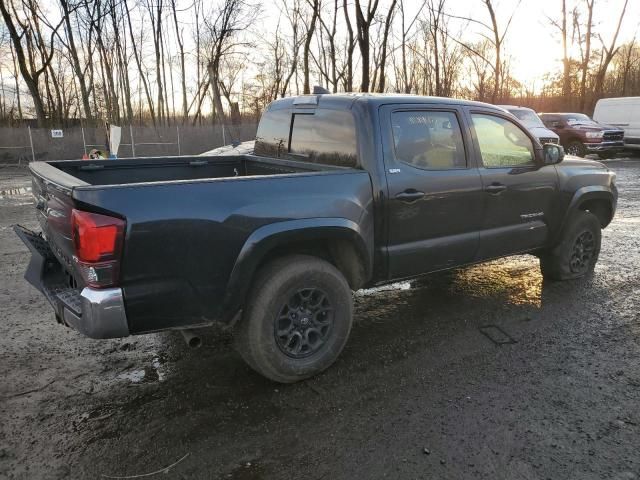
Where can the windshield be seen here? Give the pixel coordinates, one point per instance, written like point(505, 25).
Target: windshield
point(579, 119)
point(528, 117)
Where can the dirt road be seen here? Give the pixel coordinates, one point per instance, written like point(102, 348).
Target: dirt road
point(486, 372)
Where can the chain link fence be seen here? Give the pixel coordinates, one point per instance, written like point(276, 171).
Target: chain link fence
point(21, 145)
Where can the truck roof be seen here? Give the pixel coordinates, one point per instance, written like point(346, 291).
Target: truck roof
point(340, 101)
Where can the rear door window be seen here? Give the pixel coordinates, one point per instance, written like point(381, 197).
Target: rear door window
point(324, 136)
point(430, 140)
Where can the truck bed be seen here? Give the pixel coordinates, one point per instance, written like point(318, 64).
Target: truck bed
point(162, 169)
point(187, 221)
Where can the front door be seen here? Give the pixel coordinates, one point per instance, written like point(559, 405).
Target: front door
point(434, 209)
point(519, 194)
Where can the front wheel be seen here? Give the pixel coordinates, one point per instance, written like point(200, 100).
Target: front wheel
point(297, 320)
point(576, 148)
point(577, 253)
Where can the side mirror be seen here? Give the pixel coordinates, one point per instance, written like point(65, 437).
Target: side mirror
point(553, 154)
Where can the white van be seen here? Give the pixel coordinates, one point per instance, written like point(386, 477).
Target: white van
point(624, 113)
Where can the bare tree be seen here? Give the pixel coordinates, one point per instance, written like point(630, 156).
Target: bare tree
point(363, 24)
point(385, 40)
point(183, 75)
point(350, 47)
point(495, 38)
point(609, 52)
point(331, 29)
point(586, 52)
point(295, 19)
point(223, 27)
point(30, 69)
point(141, 73)
point(315, 11)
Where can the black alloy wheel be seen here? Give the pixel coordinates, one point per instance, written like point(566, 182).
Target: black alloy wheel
point(304, 323)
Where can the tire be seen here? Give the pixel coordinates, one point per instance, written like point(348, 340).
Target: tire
point(576, 148)
point(577, 253)
point(297, 319)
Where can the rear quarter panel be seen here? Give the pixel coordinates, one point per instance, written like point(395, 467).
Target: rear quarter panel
point(183, 238)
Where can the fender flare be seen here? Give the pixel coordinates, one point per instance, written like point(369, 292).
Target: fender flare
point(583, 194)
point(266, 238)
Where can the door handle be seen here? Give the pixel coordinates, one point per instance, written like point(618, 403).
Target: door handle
point(409, 196)
point(495, 188)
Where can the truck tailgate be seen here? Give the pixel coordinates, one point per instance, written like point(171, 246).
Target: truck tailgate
point(54, 204)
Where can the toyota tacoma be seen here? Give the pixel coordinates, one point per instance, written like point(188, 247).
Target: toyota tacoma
point(341, 192)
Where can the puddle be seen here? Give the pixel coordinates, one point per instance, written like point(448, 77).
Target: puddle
point(394, 287)
point(150, 373)
point(247, 471)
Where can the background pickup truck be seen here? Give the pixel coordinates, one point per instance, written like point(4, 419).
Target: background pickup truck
point(580, 135)
point(342, 192)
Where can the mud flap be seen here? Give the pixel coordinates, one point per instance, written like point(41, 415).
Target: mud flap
point(41, 255)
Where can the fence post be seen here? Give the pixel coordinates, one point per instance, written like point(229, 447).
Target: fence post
point(178, 133)
point(33, 153)
point(84, 141)
point(133, 145)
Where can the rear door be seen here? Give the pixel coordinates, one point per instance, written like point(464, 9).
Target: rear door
point(435, 206)
point(519, 195)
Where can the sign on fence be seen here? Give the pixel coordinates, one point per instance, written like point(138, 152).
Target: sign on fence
point(57, 134)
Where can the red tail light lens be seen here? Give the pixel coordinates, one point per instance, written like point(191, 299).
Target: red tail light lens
point(98, 243)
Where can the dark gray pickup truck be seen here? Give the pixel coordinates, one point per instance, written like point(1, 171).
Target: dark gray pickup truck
point(341, 192)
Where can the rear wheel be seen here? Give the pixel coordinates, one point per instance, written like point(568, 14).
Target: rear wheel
point(297, 320)
point(577, 253)
point(576, 148)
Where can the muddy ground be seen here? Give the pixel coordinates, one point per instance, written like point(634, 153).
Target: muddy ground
point(421, 390)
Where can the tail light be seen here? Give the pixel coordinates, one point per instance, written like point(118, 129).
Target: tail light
point(98, 243)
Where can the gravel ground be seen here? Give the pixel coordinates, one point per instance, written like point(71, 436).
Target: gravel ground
point(421, 390)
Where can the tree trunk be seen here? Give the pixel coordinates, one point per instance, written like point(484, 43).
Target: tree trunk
point(385, 39)
point(348, 82)
point(307, 46)
point(566, 65)
point(363, 25)
point(75, 61)
point(142, 74)
point(587, 57)
point(183, 81)
point(30, 79)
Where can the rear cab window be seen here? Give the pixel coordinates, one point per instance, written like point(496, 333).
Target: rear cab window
point(324, 136)
point(272, 137)
point(321, 136)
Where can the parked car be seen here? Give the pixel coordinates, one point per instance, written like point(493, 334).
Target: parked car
point(343, 192)
point(580, 135)
point(529, 118)
point(622, 113)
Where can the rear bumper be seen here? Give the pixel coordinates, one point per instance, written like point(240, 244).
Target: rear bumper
point(96, 313)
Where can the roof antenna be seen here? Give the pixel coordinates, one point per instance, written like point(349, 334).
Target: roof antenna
point(318, 90)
